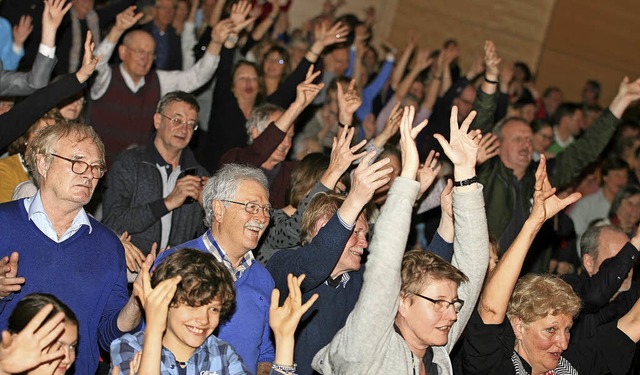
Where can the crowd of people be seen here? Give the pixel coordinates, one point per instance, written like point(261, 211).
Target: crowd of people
point(227, 194)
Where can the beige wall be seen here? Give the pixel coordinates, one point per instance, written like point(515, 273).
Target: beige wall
point(564, 41)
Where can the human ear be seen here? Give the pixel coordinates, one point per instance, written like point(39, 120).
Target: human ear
point(589, 263)
point(518, 327)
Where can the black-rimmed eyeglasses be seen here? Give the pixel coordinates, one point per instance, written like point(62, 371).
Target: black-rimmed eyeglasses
point(79, 167)
point(178, 122)
point(441, 305)
point(253, 207)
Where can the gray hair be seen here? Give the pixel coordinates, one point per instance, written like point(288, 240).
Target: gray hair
point(497, 129)
point(590, 241)
point(177, 96)
point(223, 185)
point(259, 118)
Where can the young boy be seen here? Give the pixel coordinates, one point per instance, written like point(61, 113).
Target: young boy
point(189, 293)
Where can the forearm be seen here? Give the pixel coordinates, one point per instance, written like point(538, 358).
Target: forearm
point(498, 289)
point(151, 352)
point(401, 66)
point(285, 121)
point(130, 316)
point(405, 84)
point(103, 71)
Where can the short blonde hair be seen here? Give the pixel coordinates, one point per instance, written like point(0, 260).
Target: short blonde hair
point(536, 296)
point(420, 267)
point(322, 206)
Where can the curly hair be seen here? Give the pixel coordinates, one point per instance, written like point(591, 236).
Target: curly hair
point(203, 279)
point(420, 267)
point(536, 296)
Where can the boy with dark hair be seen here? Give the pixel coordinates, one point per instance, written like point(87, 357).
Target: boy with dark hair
point(184, 300)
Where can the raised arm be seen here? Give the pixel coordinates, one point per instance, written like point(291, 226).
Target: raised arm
point(403, 61)
point(497, 292)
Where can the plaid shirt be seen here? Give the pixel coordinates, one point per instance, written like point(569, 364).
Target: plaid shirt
point(215, 249)
point(213, 357)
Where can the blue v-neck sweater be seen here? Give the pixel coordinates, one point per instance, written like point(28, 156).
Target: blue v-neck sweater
point(86, 272)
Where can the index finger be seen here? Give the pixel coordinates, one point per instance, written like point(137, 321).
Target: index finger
point(37, 319)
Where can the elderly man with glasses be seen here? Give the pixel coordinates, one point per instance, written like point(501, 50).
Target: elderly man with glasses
point(153, 191)
point(49, 244)
point(237, 211)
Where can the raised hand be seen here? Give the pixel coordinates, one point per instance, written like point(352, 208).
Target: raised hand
point(428, 172)
point(408, 134)
point(240, 15)
point(343, 154)
point(365, 181)
point(545, 202)
point(628, 92)
point(54, 11)
point(9, 280)
point(22, 30)
point(221, 31)
point(127, 18)
point(32, 346)
point(488, 147)
point(155, 301)
point(348, 102)
point(284, 319)
point(89, 61)
point(423, 60)
point(392, 125)
point(327, 36)
point(306, 91)
point(491, 61)
point(462, 148)
point(186, 187)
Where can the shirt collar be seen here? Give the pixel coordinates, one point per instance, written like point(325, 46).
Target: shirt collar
point(342, 281)
point(214, 248)
point(37, 214)
point(129, 81)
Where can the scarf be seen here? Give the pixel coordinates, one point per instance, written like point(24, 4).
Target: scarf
point(563, 367)
point(77, 39)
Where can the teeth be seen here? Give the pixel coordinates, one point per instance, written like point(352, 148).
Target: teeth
point(195, 330)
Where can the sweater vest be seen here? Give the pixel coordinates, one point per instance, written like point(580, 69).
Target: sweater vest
point(122, 117)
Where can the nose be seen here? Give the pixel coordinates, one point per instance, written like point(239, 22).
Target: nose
point(69, 355)
point(451, 314)
point(362, 241)
point(202, 316)
point(563, 340)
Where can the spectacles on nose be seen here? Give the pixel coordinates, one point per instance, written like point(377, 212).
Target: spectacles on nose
point(253, 208)
point(178, 122)
point(141, 52)
point(79, 167)
point(441, 305)
point(277, 61)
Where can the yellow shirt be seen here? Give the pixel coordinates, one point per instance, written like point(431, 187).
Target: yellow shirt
point(12, 172)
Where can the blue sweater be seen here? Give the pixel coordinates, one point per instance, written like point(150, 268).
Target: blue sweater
point(248, 328)
point(86, 272)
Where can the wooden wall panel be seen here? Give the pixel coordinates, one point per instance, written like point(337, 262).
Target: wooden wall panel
point(591, 39)
point(517, 27)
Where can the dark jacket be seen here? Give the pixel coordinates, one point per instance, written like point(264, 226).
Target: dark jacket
point(134, 202)
point(499, 188)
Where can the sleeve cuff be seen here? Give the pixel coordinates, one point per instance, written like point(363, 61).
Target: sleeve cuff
point(344, 223)
point(47, 51)
point(158, 208)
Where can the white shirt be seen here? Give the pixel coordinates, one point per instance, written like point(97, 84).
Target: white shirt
point(36, 213)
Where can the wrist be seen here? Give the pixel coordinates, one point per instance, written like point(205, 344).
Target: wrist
point(463, 173)
point(491, 79)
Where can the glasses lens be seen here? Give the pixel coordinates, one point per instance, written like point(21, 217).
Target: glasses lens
point(79, 167)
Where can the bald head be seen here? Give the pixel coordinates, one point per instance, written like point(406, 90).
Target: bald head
point(137, 53)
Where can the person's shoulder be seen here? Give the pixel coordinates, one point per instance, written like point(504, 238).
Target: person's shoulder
point(261, 275)
point(11, 208)
point(105, 233)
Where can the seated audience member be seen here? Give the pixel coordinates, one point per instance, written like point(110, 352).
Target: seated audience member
point(568, 123)
point(42, 337)
point(548, 103)
point(271, 131)
point(596, 206)
point(13, 168)
point(591, 93)
point(403, 322)
point(168, 43)
point(237, 92)
point(608, 257)
point(153, 191)
point(19, 83)
point(314, 174)
point(73, 108)
point(509, 179)
point(542, 138)
point(625, 210)
point(55, 247)
point(125, 96)
point(31, 310)
point(185, 300)
point(524, 327)
point(237, 211)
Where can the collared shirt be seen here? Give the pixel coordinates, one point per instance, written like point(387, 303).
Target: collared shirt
point(215, 249)
point(334, 283)
point(36, 213)
point(214, 356)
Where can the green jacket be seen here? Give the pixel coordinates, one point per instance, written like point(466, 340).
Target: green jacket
point(499, 191)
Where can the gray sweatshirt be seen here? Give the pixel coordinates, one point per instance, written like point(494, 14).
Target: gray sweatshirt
point(368, 343)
